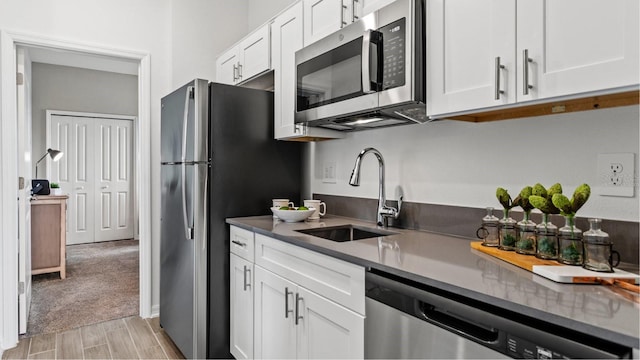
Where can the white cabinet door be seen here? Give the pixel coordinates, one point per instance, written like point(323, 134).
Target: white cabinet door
point(577, 46)
point(275, 331)
point(286, 37)
point(227, 67)
point(254, 54)
point(241, 307)
point(327, 330)
point(464, 38)
point(322, 18)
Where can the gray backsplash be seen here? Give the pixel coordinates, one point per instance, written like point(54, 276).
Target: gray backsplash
point(463, 221)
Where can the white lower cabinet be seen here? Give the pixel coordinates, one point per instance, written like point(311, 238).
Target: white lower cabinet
point(294, 322)
point(292, 302)
point(241, 307)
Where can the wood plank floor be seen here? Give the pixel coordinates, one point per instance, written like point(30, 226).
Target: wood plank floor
point(128, 338)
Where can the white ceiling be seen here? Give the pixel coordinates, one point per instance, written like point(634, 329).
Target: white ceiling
point(81, 60)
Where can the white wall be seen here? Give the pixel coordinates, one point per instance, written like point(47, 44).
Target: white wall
point(56, 87)
point(260, 11)
point(201, 31)
point(462, 164)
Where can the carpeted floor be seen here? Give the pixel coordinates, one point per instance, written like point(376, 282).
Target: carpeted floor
point(102, 284)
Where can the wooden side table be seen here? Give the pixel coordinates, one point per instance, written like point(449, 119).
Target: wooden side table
point(48, 234)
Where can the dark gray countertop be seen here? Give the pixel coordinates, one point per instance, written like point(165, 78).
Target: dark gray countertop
point(449, 263)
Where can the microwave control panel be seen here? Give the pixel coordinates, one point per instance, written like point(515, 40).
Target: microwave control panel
point(393, 54)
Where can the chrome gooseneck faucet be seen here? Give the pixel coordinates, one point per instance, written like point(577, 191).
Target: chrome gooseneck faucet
point(384, 211)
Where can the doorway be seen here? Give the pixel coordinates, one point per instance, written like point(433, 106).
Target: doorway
point(10, 286)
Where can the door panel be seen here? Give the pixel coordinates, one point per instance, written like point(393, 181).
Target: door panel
point(275, 334)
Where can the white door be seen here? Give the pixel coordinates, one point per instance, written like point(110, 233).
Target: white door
point(24, 172)
point(466, 37)
point(322, 18)
point(96, 173)
point(241, 307)
point(114, 217)
point(577, 46)
point(275, 331)
point(327, 330)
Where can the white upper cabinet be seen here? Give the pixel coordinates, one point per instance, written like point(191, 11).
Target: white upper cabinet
point(464, 39)
point(227, 67)
point(286, 39)
point(248, 58)
point(475, 57)
point(323, 17)
point(577, 46)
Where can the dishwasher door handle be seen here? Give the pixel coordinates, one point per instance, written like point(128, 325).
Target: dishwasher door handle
point(457, 324)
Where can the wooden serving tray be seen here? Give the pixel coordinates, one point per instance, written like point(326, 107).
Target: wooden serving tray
point(553, 270)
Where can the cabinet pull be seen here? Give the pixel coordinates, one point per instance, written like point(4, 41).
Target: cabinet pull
point(525, 71)
point(238, 243)
point(499, 67)
point(246, 270)
point(298, 316)
point(286, 302)
point(342, 22)
point(235, 70)
point(239, 71)
point(354, 17)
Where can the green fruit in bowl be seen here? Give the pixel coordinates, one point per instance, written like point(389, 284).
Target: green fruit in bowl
point(284, 208)
point(303, 208)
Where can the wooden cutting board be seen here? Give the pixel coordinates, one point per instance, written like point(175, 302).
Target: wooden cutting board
point(553, 270)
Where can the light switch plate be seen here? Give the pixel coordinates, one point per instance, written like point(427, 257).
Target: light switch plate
point(616, 174)
point(329, 172)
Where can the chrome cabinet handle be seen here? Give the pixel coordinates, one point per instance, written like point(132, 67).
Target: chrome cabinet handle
point(342, 22)
point(286, 302)
point(298, 299)
point(105, 186)
point(239, 71)
point(499, 67)
point(235, 71)
point(525, 71)
point(238, 243)
point(246, 271)
point(354, 17)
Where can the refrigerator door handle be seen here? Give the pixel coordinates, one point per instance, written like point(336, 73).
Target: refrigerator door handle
point(187, 228)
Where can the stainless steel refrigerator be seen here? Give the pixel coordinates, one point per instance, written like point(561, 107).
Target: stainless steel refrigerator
point(219, 160)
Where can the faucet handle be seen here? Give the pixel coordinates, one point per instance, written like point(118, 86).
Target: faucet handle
point(399, 207)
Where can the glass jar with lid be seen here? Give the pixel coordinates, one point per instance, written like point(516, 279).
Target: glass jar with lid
point(598, 248)
point(488, 232)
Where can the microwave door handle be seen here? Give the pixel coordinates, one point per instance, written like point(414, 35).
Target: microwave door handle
point(371, 37)
point(366, 62)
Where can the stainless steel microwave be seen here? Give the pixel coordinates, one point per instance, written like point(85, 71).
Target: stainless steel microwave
point(369, 74)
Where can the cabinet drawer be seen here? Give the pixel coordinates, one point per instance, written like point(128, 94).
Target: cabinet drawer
point(334, 279)
point(241, 243)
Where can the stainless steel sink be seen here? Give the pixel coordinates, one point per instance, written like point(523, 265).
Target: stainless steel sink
point(346, 233)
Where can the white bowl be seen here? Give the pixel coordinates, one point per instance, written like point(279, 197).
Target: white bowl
point(292, 215)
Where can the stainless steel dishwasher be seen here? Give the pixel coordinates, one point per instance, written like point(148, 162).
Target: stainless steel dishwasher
point(408, 320)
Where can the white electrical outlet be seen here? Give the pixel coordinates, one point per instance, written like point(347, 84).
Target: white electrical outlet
point(329, 172)
point(616, 174)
